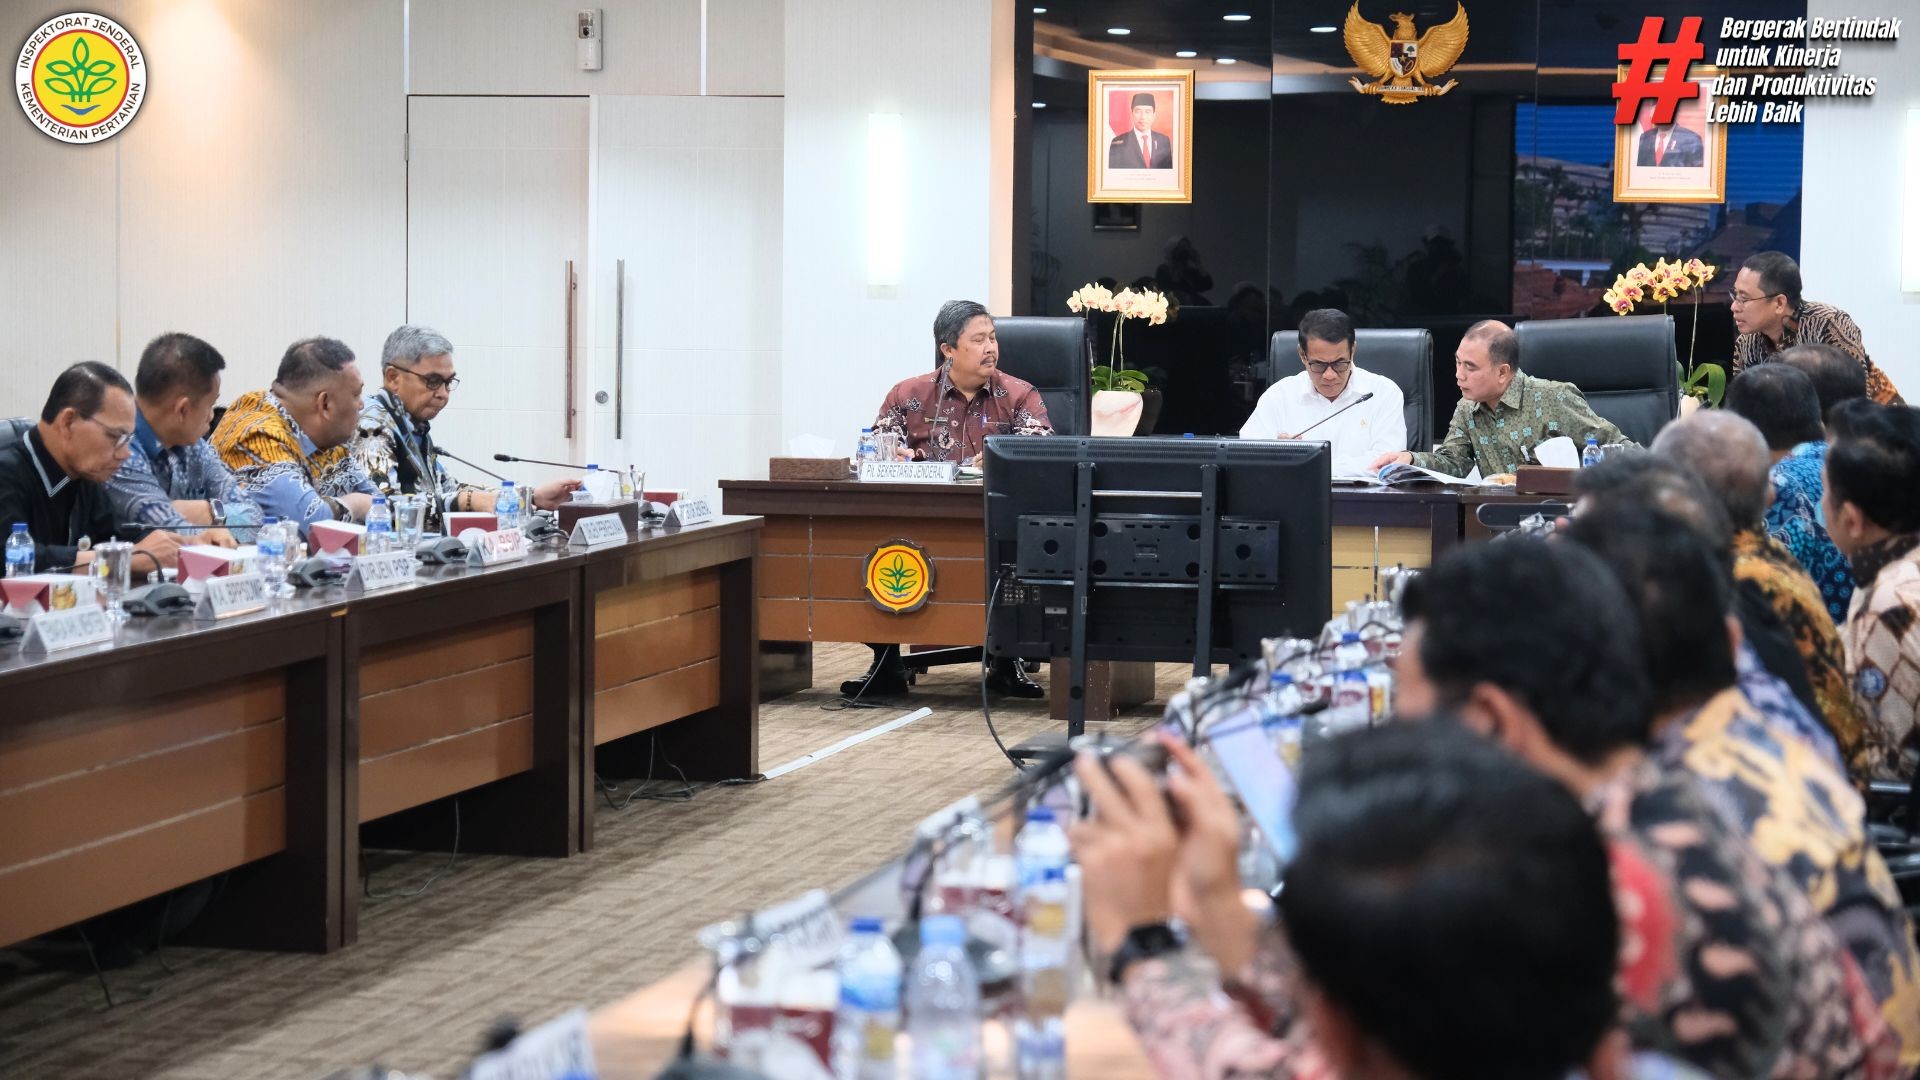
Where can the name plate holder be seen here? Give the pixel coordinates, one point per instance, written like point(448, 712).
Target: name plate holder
point(598, 530)
point(494, 548)
point(687, 512)
point(908, 472)
point(556, 1050)
point(383, 571)
point(52, 631)
point(231, 594)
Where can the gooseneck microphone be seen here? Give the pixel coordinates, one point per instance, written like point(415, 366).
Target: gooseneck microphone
point(1368, 396)
point(537, 461)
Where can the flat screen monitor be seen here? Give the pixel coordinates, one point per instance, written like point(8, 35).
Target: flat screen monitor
point(1147, 545)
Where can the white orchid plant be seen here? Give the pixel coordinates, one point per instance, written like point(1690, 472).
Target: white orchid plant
point(1129, 303)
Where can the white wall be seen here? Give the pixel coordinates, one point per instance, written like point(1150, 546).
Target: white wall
point(931, 62)
point(1853, 188)
point(257, 198)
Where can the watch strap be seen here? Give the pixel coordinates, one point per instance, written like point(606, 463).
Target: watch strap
point(1143, 943)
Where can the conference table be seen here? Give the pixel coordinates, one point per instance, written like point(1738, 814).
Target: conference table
point(474, 702)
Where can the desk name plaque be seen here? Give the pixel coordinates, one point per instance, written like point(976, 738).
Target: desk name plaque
point(383, 571)
point(492, 548)
point(598, 530)
point(556, 1050)
point(908, 472)
point(231, 594)
point(688, 512)
point(51, 631)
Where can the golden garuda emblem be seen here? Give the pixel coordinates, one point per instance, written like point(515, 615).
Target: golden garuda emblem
point(1401, 65)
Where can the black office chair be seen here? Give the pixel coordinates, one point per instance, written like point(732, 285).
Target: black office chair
point(1625, 365)
point(1051, 353)
point(1499, 518)
point(1405, 356)
point(12, 431)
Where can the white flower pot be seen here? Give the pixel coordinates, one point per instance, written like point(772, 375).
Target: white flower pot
point(1115, 412)
point(1688, 405)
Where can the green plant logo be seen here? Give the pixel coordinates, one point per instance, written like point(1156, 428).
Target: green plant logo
point(80, 77)
point(898, 578)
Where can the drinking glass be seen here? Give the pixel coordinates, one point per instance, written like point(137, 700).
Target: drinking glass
point(113, 563)
point(409, 519)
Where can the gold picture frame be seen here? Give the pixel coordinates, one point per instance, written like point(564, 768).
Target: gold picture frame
point(1155, 165)
point(1641, 181)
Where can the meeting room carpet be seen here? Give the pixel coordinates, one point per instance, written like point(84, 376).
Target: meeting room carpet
point(497, 936)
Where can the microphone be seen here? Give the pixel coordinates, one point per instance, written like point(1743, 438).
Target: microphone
point(444, 452)
point(537, 461)
point(1368, 396)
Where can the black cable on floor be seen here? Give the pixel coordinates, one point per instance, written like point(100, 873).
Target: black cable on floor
point(986, 669)
point(366, 879)
point(98, 972)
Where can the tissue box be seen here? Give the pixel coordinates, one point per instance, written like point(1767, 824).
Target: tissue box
point(802, 468)
point(1542, 480)
point(463, 520)
point(32, 594)
point(571, 512)
point(337, 538)
point(198, 562)
point(664, 496)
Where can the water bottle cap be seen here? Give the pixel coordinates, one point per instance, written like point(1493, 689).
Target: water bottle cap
point(1354, 676)
point(1349, 637)
point(1040, 813)
point(593, 468)
point(1280, 678)
point(506, 483)
point(270, 520)
point(1187, 435)
point(1053, 873)
point(943, 930)
point(867, 925)
point(19, 526)
point(379, 500)
point(1591, 439)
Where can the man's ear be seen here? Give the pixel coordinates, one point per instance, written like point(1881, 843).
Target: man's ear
point(1499, 715)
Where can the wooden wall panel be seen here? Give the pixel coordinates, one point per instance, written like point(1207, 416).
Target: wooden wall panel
point(34, 752)
point(649, 703)
point(424, 773)
point(638, 652)
point(858, 620)
point(944, 538)
point(419, 660)
point(399, 719)
point(786, 620)
point(1353, 546)
point(649, 601)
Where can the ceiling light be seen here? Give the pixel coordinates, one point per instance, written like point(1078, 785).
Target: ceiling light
point(1321, 29)
point(1039, 11)
point(1236, 18)
point(1039, 104)
point(1118, 31)
point(1225, 60)
point(1186, 54)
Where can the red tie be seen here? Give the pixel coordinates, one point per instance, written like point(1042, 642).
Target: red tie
point(1146, 150)
point(1659, 148)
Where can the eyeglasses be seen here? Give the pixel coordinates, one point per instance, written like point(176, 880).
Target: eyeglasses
point(120, 438)
point(434, 383)
point(1742, 301)
point(1340, 366)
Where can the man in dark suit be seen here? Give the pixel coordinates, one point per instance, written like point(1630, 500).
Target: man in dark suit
point(1671, 145)
point(1141, 147)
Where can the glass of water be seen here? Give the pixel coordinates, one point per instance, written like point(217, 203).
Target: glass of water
point(409, 519)
point(113, 564)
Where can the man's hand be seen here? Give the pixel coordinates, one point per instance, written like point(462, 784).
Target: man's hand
point(1206, 888)
point(357, 504)
point(195, 511)
point(218, 538)
point(1126, 850)
point(164, 547)
point(480, 502)
point(1283, 436)
point(1397, 457)
point(550, 495)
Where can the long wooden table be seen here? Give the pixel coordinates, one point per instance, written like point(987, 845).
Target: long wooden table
point(263, 744)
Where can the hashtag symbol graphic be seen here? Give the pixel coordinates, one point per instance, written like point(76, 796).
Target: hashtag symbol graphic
point(1673, 86)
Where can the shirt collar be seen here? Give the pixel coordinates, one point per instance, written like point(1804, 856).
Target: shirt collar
point(44, 464)
point(307, 446)
point(143, 436)
point(1508, 400)
point(401, 417)
point(1311, 393)
point(1877, 556)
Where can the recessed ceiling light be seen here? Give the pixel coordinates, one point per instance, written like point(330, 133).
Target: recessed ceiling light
point(1236, 18)
point(1039, 11)
point(1225, 60)
point(1321, 29)
point(1039, 104)
point(1186, 54)
point(1119, 31)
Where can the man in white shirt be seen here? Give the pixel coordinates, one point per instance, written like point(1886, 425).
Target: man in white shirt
point(1330, 383)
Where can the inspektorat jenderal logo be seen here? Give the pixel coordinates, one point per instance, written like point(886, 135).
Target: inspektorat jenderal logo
point(80, 77)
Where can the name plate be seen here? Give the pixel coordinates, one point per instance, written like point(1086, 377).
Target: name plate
point(598, 530)
point(383, 571)
point(51, 631)
point(556, 1050)
point(492, 548)
point(909, 472)
point(809, 932)
point(231, 594)
point(688, 512)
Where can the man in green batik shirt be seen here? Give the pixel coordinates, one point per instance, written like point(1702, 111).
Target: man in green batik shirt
point(1503, 414)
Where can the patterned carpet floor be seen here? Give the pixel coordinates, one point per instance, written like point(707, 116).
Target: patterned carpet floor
point(497, 936)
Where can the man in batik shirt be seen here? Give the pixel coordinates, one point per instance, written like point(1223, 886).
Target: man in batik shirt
point(287, 444)
point(1770, 315)
point(1503, 413)
point(1873, 471)
point(947, 414)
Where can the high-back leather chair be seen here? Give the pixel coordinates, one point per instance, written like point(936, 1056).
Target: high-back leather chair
point(1051, 353)
point(1405, 356)
point(12, 431)
point(1625, 365)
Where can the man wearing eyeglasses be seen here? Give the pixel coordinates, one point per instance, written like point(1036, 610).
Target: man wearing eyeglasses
point(1332, 382)
point(1771, 316)
point(394, 445)
point(53, 478)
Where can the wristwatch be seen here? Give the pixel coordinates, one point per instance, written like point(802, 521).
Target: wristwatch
point(1144, 943)
point(217, 511)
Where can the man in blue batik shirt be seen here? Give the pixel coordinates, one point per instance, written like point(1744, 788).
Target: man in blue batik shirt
point(174, 479)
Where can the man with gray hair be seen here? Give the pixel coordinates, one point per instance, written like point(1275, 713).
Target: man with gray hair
point(393, 443)
point(1730, 456)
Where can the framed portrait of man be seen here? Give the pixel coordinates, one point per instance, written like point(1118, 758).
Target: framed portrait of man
point(1140, 136)
point(1681, 162)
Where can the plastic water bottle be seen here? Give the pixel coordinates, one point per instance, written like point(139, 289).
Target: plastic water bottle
point(1351, 653)
point(868, 450)
point(379, 527)
point(1590, 454)
point(271, 544)
point(943, 1003)
point(1352, 703)
point(19, 551)
point(1039, 1032)
point(1041, 846)
point(506, 506)
point(869, 1012)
